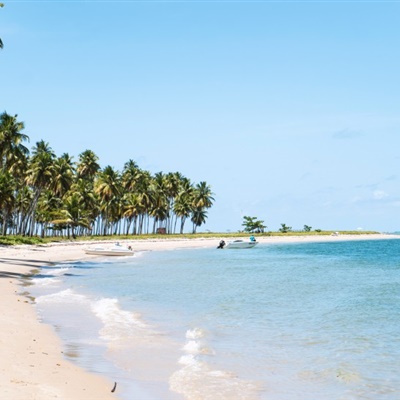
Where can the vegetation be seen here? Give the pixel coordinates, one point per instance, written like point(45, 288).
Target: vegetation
point(42, 194)
point(13, 240)
point(285, 229)
point(307, 228)
point(251, 224)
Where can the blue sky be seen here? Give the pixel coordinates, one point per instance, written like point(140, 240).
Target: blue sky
point(289, 110)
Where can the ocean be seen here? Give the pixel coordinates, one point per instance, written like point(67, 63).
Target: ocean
point(291, 321)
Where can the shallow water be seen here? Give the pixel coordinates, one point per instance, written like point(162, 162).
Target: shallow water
point(279, 321)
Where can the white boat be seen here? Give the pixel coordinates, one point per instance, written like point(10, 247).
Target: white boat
point(116, 250)
point(241, 244)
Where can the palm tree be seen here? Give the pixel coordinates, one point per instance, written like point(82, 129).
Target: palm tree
point(198, 218)
point(87, 199)
point(39, 176)
point(183, 202)
point(72, 215)
point(132, 209)
point(145, 197)
point(23, 202)
point(173, 183)
point(13, 162)
point(63, 175)
point(159, 204)
point(40, 188)
point(11, 139)
point(48, 206)
point(131, 176)
point(108, 188)
point(203, 196)
point(88, 165)
point(202, 199)
point(7, 198)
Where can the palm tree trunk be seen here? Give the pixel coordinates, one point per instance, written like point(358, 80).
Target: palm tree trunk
point(5, 224)
point(183, 220)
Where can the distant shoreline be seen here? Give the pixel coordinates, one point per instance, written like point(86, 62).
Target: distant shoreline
point(35, 240)
point(33, 362)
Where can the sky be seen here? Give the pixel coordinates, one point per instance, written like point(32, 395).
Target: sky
point(289, 110)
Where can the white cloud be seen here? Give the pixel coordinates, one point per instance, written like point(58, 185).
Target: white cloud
point(379, 194)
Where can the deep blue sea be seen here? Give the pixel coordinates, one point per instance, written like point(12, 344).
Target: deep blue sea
point(308, 321)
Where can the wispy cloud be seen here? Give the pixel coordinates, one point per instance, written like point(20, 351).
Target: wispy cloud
point(379, 194)
point(347, 134)
point(391, 178)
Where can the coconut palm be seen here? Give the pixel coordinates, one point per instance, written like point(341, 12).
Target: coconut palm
point(11, 141)
point(108, 188)
point(183, 209)
point(132, 209)
point(202, 199)
point(7, 198)
point(40, 188)
point(38, 176)
point(159, 203)
point(199, 216)
point(145, 197)
point(23, 202)
point(203, 196)
point(88, 200)
point(131, 175)
point(88, 165)
point(63, 175)
point(73, 214)
point(183, 202)
point(48, 206)
point(173, 182)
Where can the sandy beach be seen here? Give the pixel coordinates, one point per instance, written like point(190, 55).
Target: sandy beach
point(33, 366)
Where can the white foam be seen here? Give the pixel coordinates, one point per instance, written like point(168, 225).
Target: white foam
point(195, 333)
point(188, 359)
point(45, 281)
point(196, 380)
point(65, 296)
point(59, 271)
point(192, 347)
point(118, 324)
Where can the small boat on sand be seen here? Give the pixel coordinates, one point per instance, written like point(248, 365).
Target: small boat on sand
point(116, 250)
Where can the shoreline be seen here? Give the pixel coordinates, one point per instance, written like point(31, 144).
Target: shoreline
point(33, 365)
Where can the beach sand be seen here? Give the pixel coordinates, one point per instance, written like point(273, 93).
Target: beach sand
point(33, 366)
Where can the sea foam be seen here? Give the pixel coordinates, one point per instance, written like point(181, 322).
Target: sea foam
point(64, 296)
point(118, 323)
point(198, 380)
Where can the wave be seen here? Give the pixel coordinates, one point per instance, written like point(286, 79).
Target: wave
point(198, 380)
point(67, 296)
point(118, 324)
point(45, 281)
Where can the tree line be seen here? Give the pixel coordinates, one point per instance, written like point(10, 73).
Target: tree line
point(42, 194)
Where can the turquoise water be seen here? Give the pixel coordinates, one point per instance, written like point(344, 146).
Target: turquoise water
point(279, 321)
